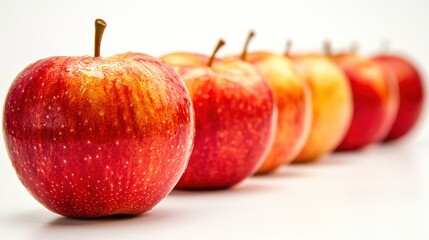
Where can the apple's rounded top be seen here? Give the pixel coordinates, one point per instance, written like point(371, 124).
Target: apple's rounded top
point(395, 57)
point(268, 58)
point(352, 59)
point(184, 59)
point(309, 56)
point(250, 56)
point(400, 64)
point(347, 55)
point(261, 55)
point(238, 71)
point(319, 64)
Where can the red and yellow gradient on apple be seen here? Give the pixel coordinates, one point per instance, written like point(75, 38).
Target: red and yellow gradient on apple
point(92, 136)
point(375, 100)
point(235, 115)
point(293, 102)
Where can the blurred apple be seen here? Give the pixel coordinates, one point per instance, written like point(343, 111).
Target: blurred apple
point(294, 106)
point(375, 98)
point(92, 136)
point(332, 105)
point(235, 115)
point(411, 93)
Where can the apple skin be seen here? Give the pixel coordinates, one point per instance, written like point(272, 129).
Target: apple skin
point(375, 99)
point(411, 93)
point(235, 117)
point(92, 137)
point(332, 105)
point(294, 108)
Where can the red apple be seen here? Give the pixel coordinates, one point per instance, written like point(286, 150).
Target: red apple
point(375, 100)
point(235, 116)
point(294, 106)
point(411, 93)
point(332, 105)
point(92, 136)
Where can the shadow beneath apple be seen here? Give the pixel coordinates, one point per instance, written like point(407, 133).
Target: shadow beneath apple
point(248, 186)
point(117, 225)
point(45, 217)
point(335, 159)
point(285, 172)
point(29, 218)
point(339, 158)
point(66, 221)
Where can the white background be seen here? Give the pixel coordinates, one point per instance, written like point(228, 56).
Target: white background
point(381, 192)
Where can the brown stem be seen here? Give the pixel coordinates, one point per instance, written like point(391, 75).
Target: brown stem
point(288, 47)
point(100, 25)
point(220, 43)
point(246, 45)
point(385, 46)
point(354, 47)
point(327, 48)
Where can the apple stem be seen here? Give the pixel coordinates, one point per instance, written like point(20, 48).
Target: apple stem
point(385, 46)
point(220, 43)
point(100, 25)
point(288, 47)
point(246, 45)
point(327, 48)
point(354, 47)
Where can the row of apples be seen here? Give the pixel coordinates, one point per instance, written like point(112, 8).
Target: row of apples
point(92, 136)
point(325, 102)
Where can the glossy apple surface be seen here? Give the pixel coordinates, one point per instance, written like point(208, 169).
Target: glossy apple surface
point(332, 105)
point(294, 108)
point(92, 137)
point(411, 93)
point(375, 98)
point(235, 115)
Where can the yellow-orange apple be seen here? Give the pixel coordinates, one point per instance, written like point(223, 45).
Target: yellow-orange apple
point(332, 105)
point(235, 116)
point(293, 102)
